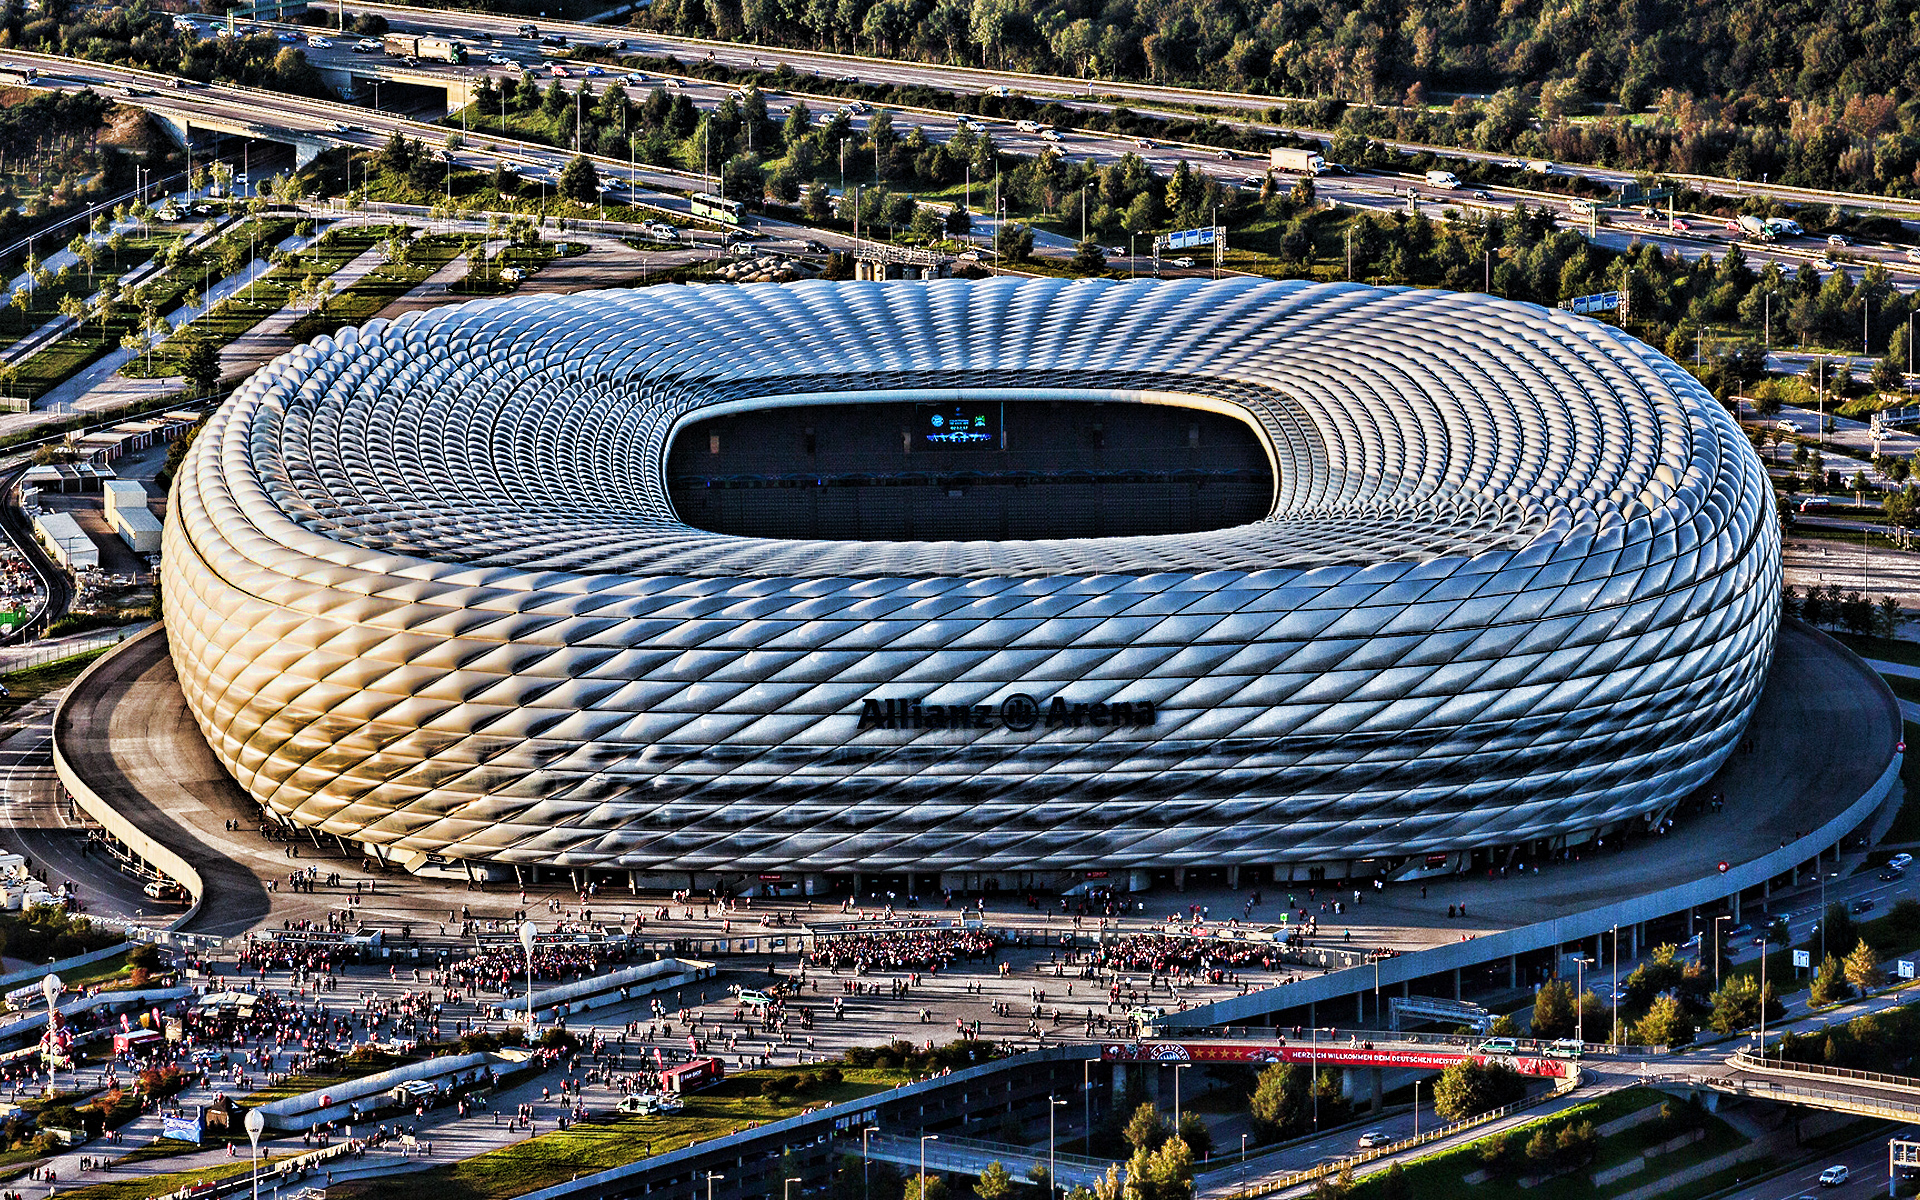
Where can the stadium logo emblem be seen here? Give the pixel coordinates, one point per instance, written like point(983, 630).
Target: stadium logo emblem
point(1018, 713)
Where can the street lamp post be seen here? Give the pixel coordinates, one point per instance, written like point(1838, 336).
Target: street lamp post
point(924, 1139)
point(1086, 1101)
point(50, 988)
point(1416, 1108)
point(1613, 999)
point(866, 1174)
point(1716, 945)
point(786, 1188)
point(1579, 994)
point(1243, 1166)
point(1177, 1068)
point(255, 1124)
point(711, 1176)
point(527, 931)
point(1053, 1173)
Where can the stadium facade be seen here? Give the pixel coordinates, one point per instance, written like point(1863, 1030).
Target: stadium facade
point(1514, 585)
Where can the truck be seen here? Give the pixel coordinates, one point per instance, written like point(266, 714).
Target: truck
point(1444, 179)
point(1754, 227)
point(1297, 160)
point(426, 49)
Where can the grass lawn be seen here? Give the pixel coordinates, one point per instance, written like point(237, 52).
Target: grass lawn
point(35, 682)
point(1444, 1173)
point(598, 1145)
point(143, 1187)
point(383, 285)
point(1886, 649)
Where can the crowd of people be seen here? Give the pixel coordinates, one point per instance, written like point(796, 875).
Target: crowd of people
point(904, 949)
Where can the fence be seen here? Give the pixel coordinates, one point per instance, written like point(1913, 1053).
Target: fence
point(1323, 1170)
point(15, 659)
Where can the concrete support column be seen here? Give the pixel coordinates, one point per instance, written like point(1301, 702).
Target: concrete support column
point(1360, 1009)
point(1513, 970)
point(1691, 929)
point(1639, 931)
point(1379, 1090)
point(1311, 1019)
point(1736, 908)
point(1233, 878)
point(1179, 879)
point(1456, 983)
point(1766, 890)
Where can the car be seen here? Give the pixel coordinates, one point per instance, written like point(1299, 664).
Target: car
point(366, 46)
point(528, 31)
point(1372, 1138)
point(970, 125)
point(1182, 261)
point(1815, 503)
point(559, 72)
point(594, 72)
point(1224, 156)
point(1499, 1045)
point(617, 44)
point(1833, 1176)
point(1864, 904)
point(1117, 252)
point(499, 60)
point(483, 36)
point(1049, 135)
point(289, 38)
point(1838, 241)
point(1889, 875)
point(1254, 181)
point(813, 247)
point(674, 84)
point(1567, 1048)
point(1900, 862)
point(1740, 930)
point(164, 890)
point(411, 61)
point(633, 77)
point(319, 43)
point(1648, 214)
point(858, 107)
point(1143, 143)
point(639, 1104)
point(1512, 164)
point(1482, 195)
point(554, 39)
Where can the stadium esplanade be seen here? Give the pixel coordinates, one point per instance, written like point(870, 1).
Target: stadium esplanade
point(1016, 582)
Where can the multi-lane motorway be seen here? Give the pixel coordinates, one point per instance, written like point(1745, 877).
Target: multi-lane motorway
point(267, 114)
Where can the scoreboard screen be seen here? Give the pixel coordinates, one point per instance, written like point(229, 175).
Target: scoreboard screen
point(959, 426)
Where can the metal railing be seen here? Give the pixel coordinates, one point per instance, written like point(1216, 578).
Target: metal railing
point(1769, 1089)
point(1335, 1166)
point(999, 1150)
point(26, 658)
point(1747, 1062)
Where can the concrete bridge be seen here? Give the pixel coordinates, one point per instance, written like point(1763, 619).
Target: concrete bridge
point(1836, 1089)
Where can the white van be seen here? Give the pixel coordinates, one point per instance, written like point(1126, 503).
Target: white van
point(1028, 126)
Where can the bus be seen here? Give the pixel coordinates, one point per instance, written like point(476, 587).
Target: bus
point(716, 209)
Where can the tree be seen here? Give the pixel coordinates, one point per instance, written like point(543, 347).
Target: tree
point(1738, 1004)
point(1088, 258)
point(1276, 1101)
point(1863, 967)
point(1147, 1129)
point(1666, 1024)
point(925, 1187)
point(1016, 241)
point(1553, 1009)
point(1194, 1132)
point(959, 221)
point(200, 364)
point(579, 181)
point(1469, 1088)
point(1829, 982)
point(996, 1182)
point(1838, 922)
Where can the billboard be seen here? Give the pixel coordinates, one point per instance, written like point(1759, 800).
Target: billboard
point(959, 426)
point(1186, 239)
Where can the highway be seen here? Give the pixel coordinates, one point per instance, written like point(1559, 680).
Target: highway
point(1702, 236)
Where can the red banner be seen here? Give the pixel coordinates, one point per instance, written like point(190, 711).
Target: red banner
point(1327, 1054)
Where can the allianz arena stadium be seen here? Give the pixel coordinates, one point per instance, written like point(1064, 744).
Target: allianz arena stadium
point(1035, 580)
